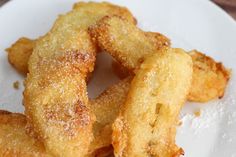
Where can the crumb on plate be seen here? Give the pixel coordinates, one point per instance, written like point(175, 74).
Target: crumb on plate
point(16, 84)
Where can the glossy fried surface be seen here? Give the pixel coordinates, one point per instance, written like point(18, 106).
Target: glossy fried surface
point(57, 106)
point(209, 78)
point(124, 41)
point(56, 95)
point(19, 53)
point(147, 122)
point(14, 142)
point(208, 83)
point(106, 107)
point(129, 45)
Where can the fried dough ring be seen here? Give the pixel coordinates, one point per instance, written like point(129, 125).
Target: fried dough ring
point(129, 45)
point(55, 96)
point(147, 122)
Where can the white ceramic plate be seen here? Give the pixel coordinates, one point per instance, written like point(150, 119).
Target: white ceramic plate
point(191, 24)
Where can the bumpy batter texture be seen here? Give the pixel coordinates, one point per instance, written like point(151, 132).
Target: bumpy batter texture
point(129, 45)
point(147, 122)
point(55, 95)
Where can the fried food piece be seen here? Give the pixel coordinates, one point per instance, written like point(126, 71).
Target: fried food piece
point(15, 141)
point(202, 90)
point(106, 107)
point(209, 78)
point(208, 82)
point(13, 138)
point(55, 96)
point(157, 39)
point(129, 45)
point(103, 9)
point(124, 41)
point(19, 53)
point(147, 123)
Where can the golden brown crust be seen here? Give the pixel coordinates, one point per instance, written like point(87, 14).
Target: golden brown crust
point(58, 69)
point(14, 140)
point(19, 53)
point(129, 45)
point(158, 40)
point(196, 94)
point(107, 7)
point(147, 122)
point(209, 78)
point(106, 108)
point(124, 41)
point(55, 96)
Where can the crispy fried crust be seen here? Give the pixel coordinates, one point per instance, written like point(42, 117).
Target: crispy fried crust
point(124, 41)
point(13, 138)
point(55, 96)
point(209, 81)
point(15, 141)
point(106, 108)
point(102, 126)
point(147, 123)
point(105, 9)
point(209, 78)
point(19, 53)
point(202, 90)
point(157, 39)
point(129, 45)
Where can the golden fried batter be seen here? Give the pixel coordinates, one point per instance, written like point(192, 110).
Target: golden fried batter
point(124, 41)
point(19, 53)
point(59, 112)
point(106, 108)
point(129, 45)
point(14, 142)
point(157, 39)
point(202, 89)
point(209, 81)
point(209, 78)
point(55, 96)
point(147, 123)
